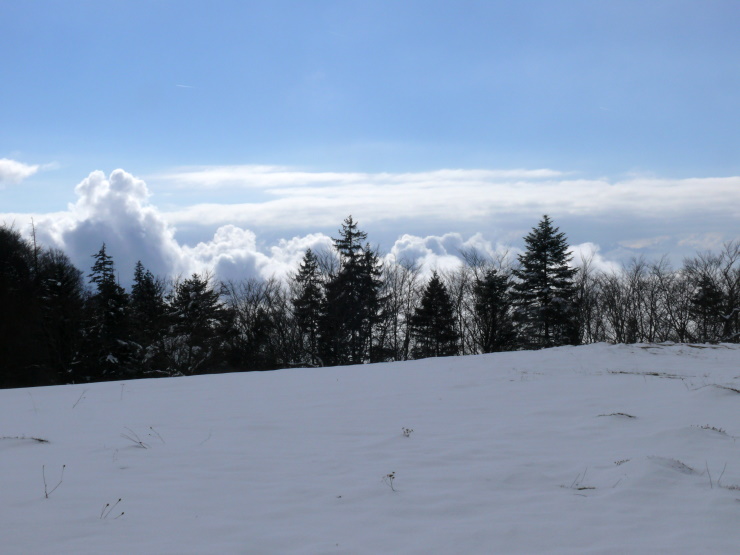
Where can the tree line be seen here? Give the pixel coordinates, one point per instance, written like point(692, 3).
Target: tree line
point(343, 306)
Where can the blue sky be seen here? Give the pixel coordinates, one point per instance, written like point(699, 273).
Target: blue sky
point(279, 118)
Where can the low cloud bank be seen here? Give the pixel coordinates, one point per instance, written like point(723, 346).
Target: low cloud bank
point(320, 198)
point(117, 210)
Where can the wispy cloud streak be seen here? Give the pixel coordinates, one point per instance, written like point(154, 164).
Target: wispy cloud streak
point(14, 172)
point(305, 197)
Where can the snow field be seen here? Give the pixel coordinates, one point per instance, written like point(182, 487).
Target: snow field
point(593, 449)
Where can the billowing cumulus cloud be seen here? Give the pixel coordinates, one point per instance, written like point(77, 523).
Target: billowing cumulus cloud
point(445, 252)
point(233, 254)
point(116, 210)
point(13, 172)
point(589, 254)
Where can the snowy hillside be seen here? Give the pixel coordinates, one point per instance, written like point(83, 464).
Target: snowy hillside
point(594, 449)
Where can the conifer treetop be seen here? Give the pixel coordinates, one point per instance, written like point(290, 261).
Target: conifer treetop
point(547, 254)
point(350, 240)
point(103, 270)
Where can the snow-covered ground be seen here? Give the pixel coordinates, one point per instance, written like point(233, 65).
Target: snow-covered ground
point(594, 449)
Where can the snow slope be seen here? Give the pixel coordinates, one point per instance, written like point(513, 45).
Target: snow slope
point(594, 449)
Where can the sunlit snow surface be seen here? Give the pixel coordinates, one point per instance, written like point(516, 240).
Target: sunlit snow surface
point(594, 449)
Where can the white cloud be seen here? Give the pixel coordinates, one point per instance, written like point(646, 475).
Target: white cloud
point(14, 172)
point(642, 213)
point(233, 254)
point(645, 242)
point(116, 210)
point(589, 253)
point(443, 252)
point(263, 176)
point(310, 199)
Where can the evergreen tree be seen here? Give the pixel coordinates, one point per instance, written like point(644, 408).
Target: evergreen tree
point(433, 323)
point(544, 295)
point(199, 326)
point(62, 295)
point(103, 274)
point(351, 301)
point(22, 361)
point(307, 303)
point(107, 351)
point(707, 309)
point(371, 303)
point(149, 313)
point(41, 303)
point(493, 313)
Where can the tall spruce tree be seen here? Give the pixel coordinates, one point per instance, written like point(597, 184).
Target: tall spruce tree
point(197, 336)
point(707, 309)
point(41, 309)
point(433, 323)
point(544, 293)
point(62, 294)
point(351, 301)
point(107, 352)
point(21, 349)
point(149, 313)
point(307, 303)
point(493, 311)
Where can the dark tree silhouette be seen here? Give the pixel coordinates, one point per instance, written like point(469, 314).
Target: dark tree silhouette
point(107, 350)
point(351, 302)
point(493, 309)
point(148, 311)
point(62, 293)
point(307, 302)
point(199, 327)
point(707, 308)
point(22, 360)
point(433, 323)
point(262, 334)
point(544, 295)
